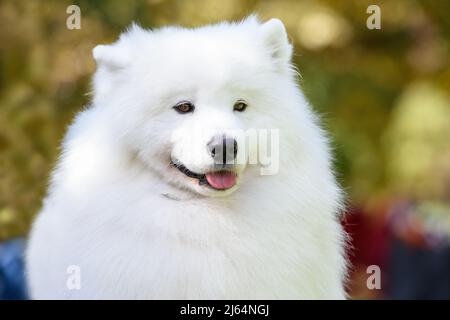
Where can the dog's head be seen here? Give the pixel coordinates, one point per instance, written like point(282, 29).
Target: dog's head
point(184, 100)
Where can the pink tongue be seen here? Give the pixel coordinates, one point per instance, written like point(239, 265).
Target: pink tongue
point(221, 179)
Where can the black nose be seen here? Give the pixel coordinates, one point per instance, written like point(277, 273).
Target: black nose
point(222, 149)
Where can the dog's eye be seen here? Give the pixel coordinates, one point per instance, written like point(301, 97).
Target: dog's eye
point(184, 107)
point(240, 106)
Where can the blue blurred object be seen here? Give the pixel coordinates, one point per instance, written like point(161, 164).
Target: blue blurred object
point(419, 273)
point(12, 273)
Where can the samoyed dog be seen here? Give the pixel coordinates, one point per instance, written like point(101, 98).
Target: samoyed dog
point(155, 195)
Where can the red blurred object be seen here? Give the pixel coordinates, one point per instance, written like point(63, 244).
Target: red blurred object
point(369, 245)
point(369, 237)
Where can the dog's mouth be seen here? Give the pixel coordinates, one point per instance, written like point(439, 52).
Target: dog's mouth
point(217, 179)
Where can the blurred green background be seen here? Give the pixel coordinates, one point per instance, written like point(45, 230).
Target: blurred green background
point(382, 94)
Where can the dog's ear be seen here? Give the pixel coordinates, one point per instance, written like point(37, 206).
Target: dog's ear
point(113, 56)
point(276, 40)
point(118, 54)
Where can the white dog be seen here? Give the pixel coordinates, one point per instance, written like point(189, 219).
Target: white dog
point(148, 200)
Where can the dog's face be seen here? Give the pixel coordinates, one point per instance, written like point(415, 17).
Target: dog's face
point(183, 100)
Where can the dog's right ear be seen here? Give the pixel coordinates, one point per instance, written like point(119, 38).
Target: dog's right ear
point(277, 42)
point(112, 56)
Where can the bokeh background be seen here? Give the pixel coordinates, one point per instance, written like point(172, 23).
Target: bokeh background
point(384, 96)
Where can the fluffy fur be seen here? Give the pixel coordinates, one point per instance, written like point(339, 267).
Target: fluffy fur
point(140, 229)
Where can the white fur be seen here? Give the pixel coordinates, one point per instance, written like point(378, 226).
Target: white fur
point(140, 229)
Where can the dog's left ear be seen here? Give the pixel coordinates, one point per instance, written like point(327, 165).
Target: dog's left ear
point(112, 56)
point(117, 55)
point(276, 39)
